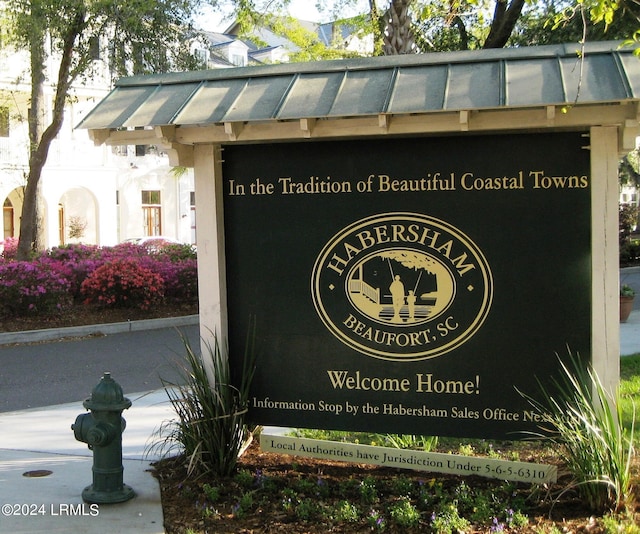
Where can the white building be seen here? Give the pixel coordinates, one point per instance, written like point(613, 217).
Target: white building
point(104, 195)
point(95, 195)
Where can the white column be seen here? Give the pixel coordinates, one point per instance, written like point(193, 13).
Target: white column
point(212, 283)
point(605, 316)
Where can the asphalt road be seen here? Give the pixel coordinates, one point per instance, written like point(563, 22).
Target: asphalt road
point(43, 374)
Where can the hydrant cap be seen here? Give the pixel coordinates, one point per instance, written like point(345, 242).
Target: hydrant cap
point(107, 395)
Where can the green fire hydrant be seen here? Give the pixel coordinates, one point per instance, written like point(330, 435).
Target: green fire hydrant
point(102, 431)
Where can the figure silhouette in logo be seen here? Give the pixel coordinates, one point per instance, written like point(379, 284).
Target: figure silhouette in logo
point(411, 304)
point(397, 297)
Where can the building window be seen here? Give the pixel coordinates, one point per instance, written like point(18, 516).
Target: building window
point(151, 213)
point(94, 48)
point(238, 60)
point(4, 121)
point(7, 213)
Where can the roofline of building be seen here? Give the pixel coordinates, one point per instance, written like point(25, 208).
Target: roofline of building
point(380, 62)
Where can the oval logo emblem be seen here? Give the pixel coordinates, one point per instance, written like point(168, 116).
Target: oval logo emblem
point(402, 286)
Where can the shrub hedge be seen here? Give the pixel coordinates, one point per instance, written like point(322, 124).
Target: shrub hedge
point(125, 275)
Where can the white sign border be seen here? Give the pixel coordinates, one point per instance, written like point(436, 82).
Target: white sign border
point(436, 462)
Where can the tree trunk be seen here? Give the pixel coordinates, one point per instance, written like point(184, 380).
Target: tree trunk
point(29, 227)
point(31, 238)
point(398, 37)
point(504, 20)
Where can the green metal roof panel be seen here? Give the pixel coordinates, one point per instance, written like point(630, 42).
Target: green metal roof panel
point(473, 86)
point(162, 105)
point(211, 102)
point(629, 65)
point(311, 95)
point(600, 79)
point(533, 82)
point(362, 93)
point(259, 100)
point(419, 88)
point(428, 83)
point(117, 107)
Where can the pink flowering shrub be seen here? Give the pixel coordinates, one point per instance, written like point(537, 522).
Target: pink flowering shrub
point(123, 283)
point(123, 275)
point(32, 287)
point(180, 277)
point(9, 248)
point(74, 253)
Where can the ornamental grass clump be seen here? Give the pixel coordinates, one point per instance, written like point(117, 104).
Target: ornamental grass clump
point(588, 427)
point(123, 284)
point(211, 408)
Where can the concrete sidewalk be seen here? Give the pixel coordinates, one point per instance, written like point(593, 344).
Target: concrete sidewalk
point(41, 439)
point(630, 335)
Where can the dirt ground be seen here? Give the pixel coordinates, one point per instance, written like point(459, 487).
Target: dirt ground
point(187, 504)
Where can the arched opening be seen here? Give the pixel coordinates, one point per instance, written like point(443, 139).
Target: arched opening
point(8, 219)
point(77, 217)
point(11, 211)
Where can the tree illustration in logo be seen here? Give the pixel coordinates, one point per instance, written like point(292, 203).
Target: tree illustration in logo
point(400, 286)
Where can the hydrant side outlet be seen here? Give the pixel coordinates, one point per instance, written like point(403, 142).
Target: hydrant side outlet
point(102, 431)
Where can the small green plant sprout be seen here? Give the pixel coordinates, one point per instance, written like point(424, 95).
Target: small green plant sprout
point(402, 486)
point(627, 291)
point(368, 491)
point(515, 518)
point(212, 493)
point(404, 514)
point(307, 509)
point(244, 478)
point(346, 512)
point(448, 520)
point(376, 522)
point(244, 505)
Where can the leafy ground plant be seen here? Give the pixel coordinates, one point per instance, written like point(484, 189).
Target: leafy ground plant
point(588, 426)
point(211, 407)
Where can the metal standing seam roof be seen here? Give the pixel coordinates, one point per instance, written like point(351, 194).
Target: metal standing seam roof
point(412, 84)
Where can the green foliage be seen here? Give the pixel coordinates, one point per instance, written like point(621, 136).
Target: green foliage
point(62, 38)
point(211, 409)
point(243, 478)
point(627, 220)
point(307, 509)
point(620, 524)
point(143, 35)
point(629, 396)
point(408, 441)
point(404, 514)
point(347, 512)
point(447, 520)
point(368, 491)
point(402, 486)
point(588, 427)
point(211, 492)
point(627, 291)
point(244, 505)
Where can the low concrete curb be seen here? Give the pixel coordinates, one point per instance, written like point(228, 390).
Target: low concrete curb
point(51, 334)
